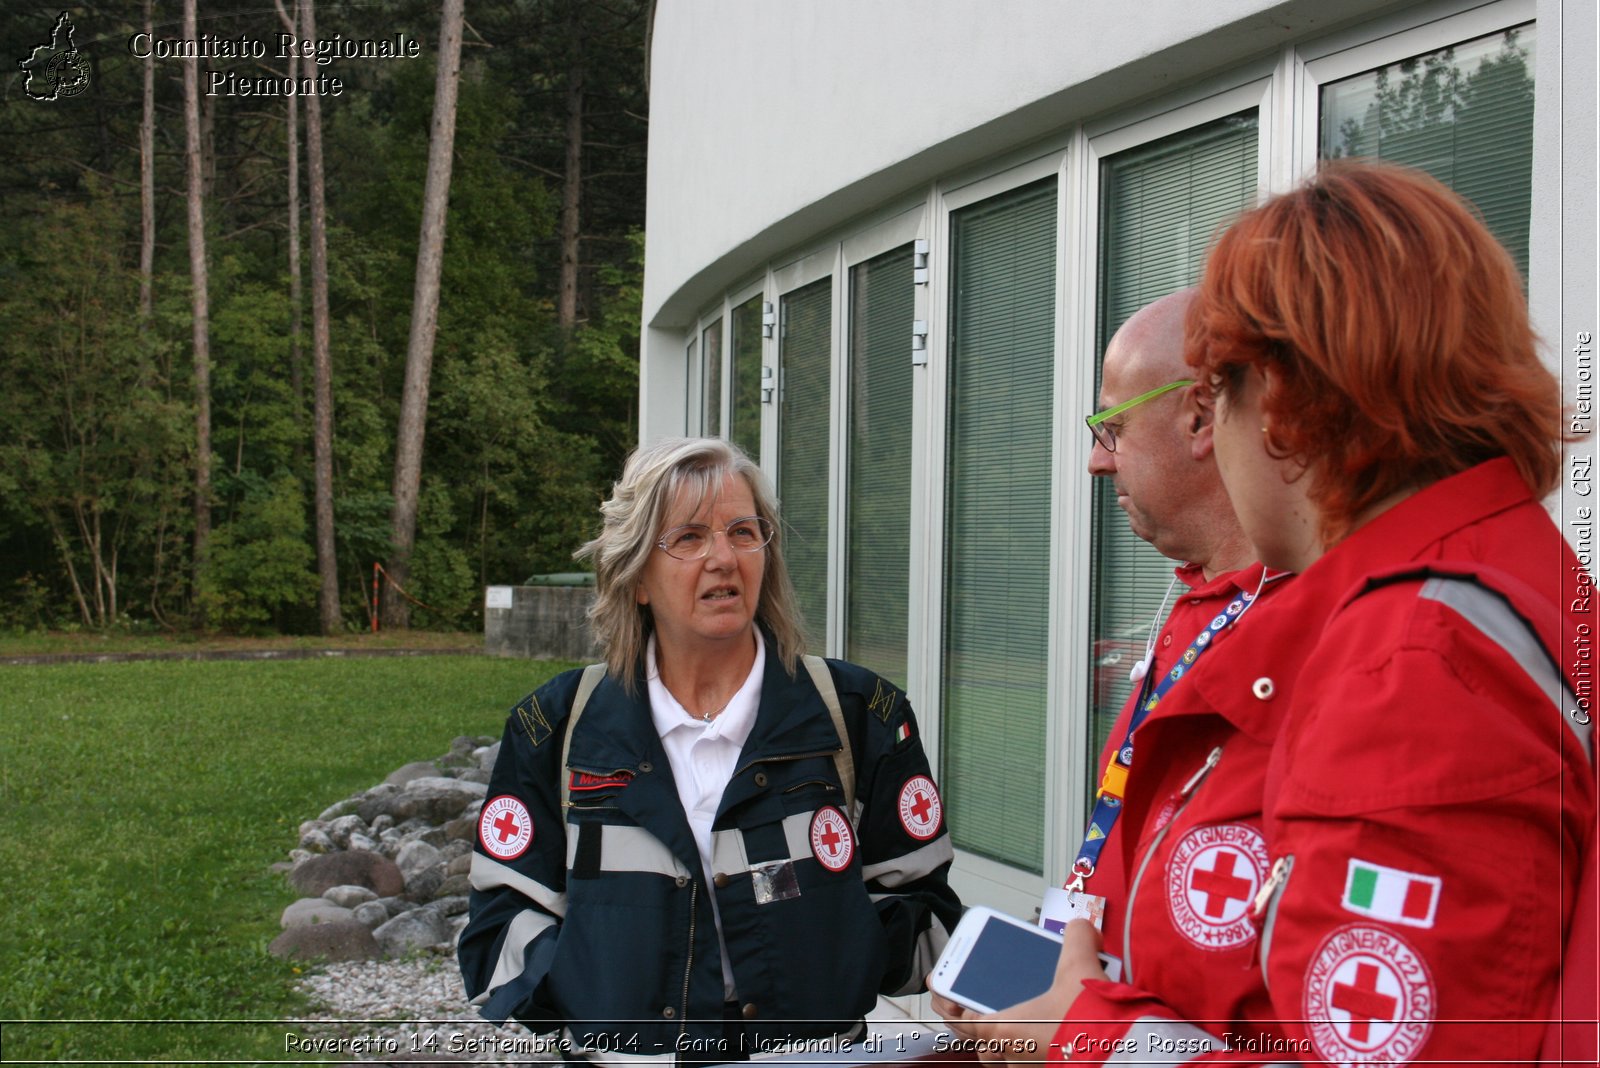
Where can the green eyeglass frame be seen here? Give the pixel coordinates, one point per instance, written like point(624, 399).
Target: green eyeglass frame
point(1104, 434)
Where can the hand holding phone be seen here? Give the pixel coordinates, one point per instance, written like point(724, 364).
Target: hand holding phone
point(994, 961)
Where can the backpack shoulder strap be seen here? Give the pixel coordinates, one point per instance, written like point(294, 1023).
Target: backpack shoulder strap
point(844, 763)
point(591, 678)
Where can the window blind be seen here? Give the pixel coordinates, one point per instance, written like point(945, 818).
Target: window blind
point(997, 523)
point(803, 438)
point(744, 420)
point(711, 400)
point(878, 484)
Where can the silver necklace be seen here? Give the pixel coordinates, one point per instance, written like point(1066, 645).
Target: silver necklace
point(709, 716)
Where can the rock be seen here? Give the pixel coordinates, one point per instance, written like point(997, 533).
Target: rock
point(452, 886)
point(349, 896)
point(452, 905)
point(309, 910)
point(342, 828)
point(476, 775)
point(339, 808)
point(382, 823)
point(371, 913)
point(487, 755)
point(349, 868)
point(416, 856)
point(361, 841)
point(406, 773)
point(452, 850)
point(373, 803)
point(463, 744)
point(434, 800)
point(417, 929)
point(461, 865)
point(316, 840)
point(394, 906)
point(424, 885)
point(461, 830)
point(341, 940)
point(298, 857)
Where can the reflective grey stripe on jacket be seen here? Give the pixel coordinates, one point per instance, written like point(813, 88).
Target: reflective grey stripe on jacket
point(624, 848)
point(528, 925)
point(909, 867)
point(489, 874)
point(1494, 619)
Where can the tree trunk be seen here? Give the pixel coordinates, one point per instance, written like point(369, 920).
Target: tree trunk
point(572, 183)
point(424, 314)
point(321, 360)
point(292, 139)
point(202, 313)
point(147, 182)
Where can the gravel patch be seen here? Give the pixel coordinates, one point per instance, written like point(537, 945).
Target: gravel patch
point(408, 1011)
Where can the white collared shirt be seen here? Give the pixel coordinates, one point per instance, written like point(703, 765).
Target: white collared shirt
point(704, 757)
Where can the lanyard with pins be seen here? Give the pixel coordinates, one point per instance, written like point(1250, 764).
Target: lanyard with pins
point(1113, 784)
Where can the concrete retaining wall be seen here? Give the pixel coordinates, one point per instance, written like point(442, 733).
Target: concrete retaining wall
point(541, 622)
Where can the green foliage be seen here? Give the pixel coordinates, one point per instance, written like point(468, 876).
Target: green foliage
point(527, 424)
point(89, 437)
point(261, 564)
point(147, 801)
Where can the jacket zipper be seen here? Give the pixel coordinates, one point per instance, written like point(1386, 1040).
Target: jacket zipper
point(688, 964)
point(1266, 904)
point(1133, 889)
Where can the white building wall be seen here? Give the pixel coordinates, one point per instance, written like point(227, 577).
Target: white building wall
point(772, 121)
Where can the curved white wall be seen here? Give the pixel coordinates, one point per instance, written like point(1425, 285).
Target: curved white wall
point(772, 120)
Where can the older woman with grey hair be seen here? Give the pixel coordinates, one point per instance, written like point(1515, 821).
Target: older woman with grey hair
point(710, 845)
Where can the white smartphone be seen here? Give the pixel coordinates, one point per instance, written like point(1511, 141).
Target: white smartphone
point(993, 961)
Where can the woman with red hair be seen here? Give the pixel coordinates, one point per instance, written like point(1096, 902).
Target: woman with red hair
point(1385, 428)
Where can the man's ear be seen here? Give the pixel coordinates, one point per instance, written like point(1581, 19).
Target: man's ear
point(1199, 408)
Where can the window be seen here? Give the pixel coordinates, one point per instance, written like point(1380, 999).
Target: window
point(1463, 113)
point(711, 399)
point(744, 420)
point(1160, 205)
point(878, 553)
point(804, 355)
point(694, 416)
point(997, 523)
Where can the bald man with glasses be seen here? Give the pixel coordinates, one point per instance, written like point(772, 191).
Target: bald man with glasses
point(1174, 853)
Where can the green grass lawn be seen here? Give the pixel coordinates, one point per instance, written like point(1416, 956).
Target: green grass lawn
point(140, 807)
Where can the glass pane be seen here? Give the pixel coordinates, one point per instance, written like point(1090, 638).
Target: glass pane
point(1160, 206)
point(997, 523)
point(744, 424)
point(694, 419)
point(711, 399)
point(1464, 114)
point(878, 553)
point(803, 363)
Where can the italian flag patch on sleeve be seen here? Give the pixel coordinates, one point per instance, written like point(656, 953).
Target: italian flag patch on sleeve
point(903, 732)
point(1391, 894)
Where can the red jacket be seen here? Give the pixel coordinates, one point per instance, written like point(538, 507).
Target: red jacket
point(1427, 816)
